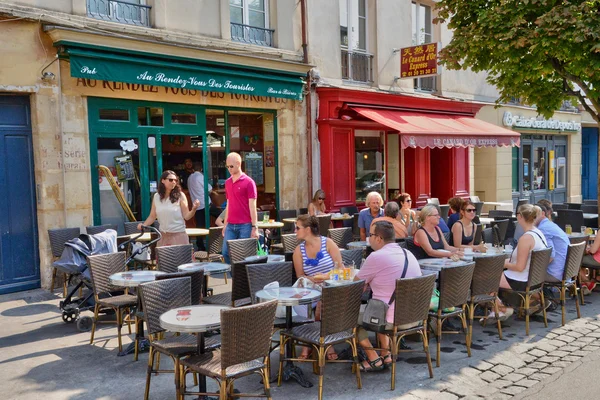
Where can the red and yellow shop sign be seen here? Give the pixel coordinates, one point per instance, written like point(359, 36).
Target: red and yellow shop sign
point(417, 61)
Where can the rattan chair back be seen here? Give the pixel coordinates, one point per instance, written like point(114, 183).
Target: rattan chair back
point(131, 227)
point(260, 275)
point(538, 267)
point(340, 306)
point(575, 254)
point(160, 296)
point(499, 228)
point(487, 274)
point(478, 207)
point(94, 230)
point(413, 297)
point(290, 242)
point(239, 279)
point(487, 235)
point(302, 211)
point(500, 213)
point(589, 208)
point(340, 236)
point(444, 210)
point(239, 249)
point(288, 227)
point(246, 333)
point(570, 217)
point(355, 228)
point(324, 223)
point(578, 239)
point(354, 256)
point(58, 238)
point(102, 266)
point(478, 235)
point(197, 280)
point(215, 239)
point(168, 258)
point(455, 283)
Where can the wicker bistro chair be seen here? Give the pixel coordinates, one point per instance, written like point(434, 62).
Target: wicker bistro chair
point(478, 234)
point(290, 242)
point(570, 276)
point(101, 267)
point(484, 287)
point(324, 224)
point(487, 235)
point(500, 213)
point(245, 340)
point(94, 230)
point(240, 291)
point(157, 298)
point(340, 236)
point(168, 258)
point(197, 280)
point(239, 249)
point(478, 207)
point(350, 210)
point(454, 292)
point(58, 238)
point(350, 257)
point(355, 228)
point(131, 227)
point(340, 306)
point(535, 284)
point(499, 229)
point(570, 217)
point(215, 244)
point(444, 210)
point(302, 211)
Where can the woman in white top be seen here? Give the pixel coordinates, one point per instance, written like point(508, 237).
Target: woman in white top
point(170, 207)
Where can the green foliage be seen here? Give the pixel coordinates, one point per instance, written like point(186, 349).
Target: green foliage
point(542, 51)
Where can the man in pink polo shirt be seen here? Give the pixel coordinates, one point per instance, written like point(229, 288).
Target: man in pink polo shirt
point(240, 214)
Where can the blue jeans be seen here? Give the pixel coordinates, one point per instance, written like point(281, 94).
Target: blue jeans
point(235, 231)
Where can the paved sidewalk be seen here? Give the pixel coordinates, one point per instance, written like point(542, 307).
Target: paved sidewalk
point(41, 356)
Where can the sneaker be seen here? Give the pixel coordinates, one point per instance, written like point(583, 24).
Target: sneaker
point(504, 315)
point(587, 287)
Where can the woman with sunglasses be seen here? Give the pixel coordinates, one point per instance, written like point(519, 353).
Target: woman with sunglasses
point(407, 216)
point(170, 207)
point(463, 230)
point(317, 205)
point(314, 256)
point(429, 236)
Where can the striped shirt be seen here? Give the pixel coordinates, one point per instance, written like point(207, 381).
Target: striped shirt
point(325, 264)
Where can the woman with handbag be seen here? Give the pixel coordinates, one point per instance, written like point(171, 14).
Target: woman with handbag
point(313, 258)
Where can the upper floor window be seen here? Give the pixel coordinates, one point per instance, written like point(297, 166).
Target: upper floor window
point(134, 12)
point(357, 64)
point(250, 22)
point(422, 32)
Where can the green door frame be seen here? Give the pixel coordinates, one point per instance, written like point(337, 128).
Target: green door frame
point(130, 129)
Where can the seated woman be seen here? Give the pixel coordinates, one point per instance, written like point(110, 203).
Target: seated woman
point(463, 231)
point(390, 212)
point(317, 205)
point(407, 216)
point(314, 255)
point(429, 236)
point(517, 267)
point(455, 204)
point(591, 260)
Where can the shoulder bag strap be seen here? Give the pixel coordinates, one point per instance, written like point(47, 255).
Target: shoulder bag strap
point(403, 275)
point(541, 238)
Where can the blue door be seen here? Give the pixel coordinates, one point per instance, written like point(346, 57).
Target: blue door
point(19, 258)
point(589, 163)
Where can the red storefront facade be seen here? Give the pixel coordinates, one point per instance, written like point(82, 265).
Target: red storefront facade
point(423, 148)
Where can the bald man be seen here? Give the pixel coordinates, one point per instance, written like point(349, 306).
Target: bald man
point(240, 214)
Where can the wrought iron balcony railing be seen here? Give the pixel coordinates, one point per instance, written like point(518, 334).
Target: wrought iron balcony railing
point(357, 66)
point(252, 34)
point(121, 11)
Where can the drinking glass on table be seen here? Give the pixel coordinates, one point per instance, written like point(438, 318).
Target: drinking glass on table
point(583, 230)
point(568, 229)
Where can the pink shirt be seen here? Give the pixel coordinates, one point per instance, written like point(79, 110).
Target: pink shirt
point(381, 269)
point(238, 194)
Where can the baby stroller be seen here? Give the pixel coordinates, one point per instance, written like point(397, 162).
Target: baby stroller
point(73, 262)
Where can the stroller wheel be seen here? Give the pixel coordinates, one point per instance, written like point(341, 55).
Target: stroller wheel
point(70, 316)
point(84, 324)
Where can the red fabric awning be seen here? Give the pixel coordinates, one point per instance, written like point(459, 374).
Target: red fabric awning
point(441, 130)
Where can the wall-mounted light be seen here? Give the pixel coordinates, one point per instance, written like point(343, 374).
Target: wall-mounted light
point(365, 156)
point(364, 141)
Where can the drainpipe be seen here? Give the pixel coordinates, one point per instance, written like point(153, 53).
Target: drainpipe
point(308, 98)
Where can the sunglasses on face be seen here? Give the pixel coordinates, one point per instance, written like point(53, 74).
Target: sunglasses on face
point(230, 166)
point(172, 179)
point(321, 198)
point(470, 210)
point(297, 228)
point(408, 201)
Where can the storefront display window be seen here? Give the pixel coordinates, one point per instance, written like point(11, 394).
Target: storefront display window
point(370, 174)
point(539, 168)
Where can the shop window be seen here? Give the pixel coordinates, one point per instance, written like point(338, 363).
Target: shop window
point(183, 118)
point(250, 22)
point(151, 116)
point(370, 176)
point(108, 114)
point(526, 167)
point(539, 168)
point(357, 64)
point(561, 166)
point(515, 169)
point(422, 32)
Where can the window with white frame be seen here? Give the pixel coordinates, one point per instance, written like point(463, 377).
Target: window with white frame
point(357, 64)
point(422, 32)
point(250, 21)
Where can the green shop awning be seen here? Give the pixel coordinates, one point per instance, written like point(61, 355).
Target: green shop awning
point(152, 69)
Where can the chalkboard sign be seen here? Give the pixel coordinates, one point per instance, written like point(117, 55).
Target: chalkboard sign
point(254, 166)
point(124, 167)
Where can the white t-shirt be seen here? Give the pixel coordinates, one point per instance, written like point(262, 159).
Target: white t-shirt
point(195, 185)
point(169, 215)
point(540, 244)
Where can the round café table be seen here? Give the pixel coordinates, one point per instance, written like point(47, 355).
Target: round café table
point(194, 319)
point(341, 217)
point(357, 245)
point(290, 220)
point(210, 268)
point(269, 225)
point(134, 279)
point(289, 297)
point(437, 264)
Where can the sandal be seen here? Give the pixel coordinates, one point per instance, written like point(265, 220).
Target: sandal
point(373, 367)
point(387, 360)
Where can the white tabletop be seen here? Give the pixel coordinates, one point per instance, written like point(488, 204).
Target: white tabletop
point(590, 216)
point(485, 221)
point(133, 278)
point(144, 238)
point(357, 245)
point(342, 217)
point(209, 268)
point(437, 264)
point(289, 296)
point(488, 253)
point(269, 225)
point(290, 220)
point(270, 258)
point(193, 232)
point(193, 319)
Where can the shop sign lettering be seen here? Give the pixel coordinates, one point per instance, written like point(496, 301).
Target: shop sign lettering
point(464, 142)
point(539, 123)
point(418, 61)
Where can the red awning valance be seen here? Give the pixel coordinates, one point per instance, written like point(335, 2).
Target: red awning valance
point(441, 130)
